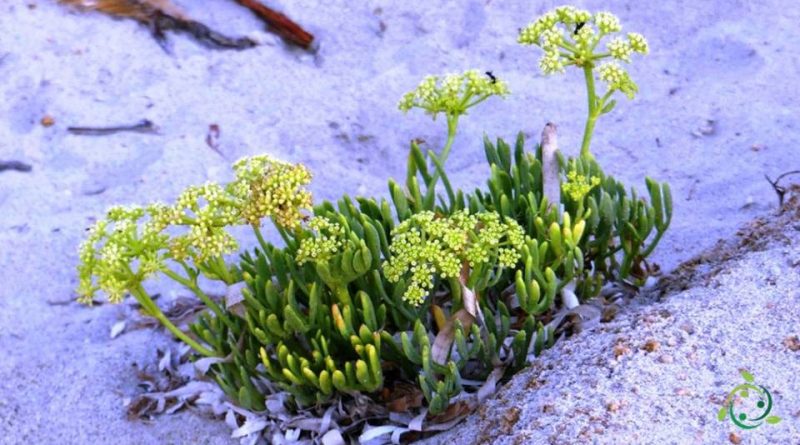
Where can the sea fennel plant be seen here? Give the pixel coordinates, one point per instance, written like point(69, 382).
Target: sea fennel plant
point(367, 296)
point(571, 37)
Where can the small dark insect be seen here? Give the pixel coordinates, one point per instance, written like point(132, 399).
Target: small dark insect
point(578, 26)
point(491, 76)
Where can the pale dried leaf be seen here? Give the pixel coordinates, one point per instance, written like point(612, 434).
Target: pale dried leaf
point(203, 364)
point(397, 436)
point(374, 432)
point(326, 419)
point(234, 300)
point(490, 386)
point(118, 328)
point(568, 296)
point(445, 338)
point(251, 425)
point(292, 435)
point(165, 363)
point(416, 422)
point(306, 422)
point(175, 407)
point(230, 420)
point(470, 301)
point(332, 437)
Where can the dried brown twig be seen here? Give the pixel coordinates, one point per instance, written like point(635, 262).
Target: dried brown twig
point(780, 190)
point(15, 166)
point(161, 16)
point(280, 24)
point(143, 126)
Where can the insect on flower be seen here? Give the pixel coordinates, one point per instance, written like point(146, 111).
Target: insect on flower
point(491, 76)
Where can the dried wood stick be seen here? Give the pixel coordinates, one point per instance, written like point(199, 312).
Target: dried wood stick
point(552, 185)
point(161, 16)
point(280, 24)
point(143, 126)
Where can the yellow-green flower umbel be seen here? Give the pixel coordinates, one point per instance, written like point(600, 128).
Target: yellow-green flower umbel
point(268, 188)
point(571, 37)
point(132, 244)
point(425, 246)
point(451, 95)
point(578, 186)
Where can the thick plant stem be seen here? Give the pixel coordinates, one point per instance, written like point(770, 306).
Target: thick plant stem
point(452, 126)
point(592, 110)
point(192, 286)
point(261, 241)
point(153, 310)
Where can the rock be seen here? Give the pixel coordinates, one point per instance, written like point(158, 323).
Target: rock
point(651, 345)
point(792, 343)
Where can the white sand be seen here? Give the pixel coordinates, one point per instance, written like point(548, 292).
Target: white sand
point(63, 380)
point(659, 372)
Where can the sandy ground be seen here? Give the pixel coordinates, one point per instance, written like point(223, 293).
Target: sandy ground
point(718, 109)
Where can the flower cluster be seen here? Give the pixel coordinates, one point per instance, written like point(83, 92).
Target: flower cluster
point(206, 211)
point(607, 22)
point(426, 245)
point(267, 187)
point(546, 33)
point(622, 49)
point(133, 243)
point(119, 253)
point(578, 186)
point(569, 36)
point(330, 239)
point(454, 93)
point(638, 43)
point(617, 79)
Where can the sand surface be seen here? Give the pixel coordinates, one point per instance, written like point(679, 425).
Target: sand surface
point(718, 109)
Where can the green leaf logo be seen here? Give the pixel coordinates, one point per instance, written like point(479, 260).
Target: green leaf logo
point(742, 414)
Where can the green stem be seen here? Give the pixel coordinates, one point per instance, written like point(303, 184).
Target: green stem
point(285, 236)
point(592, 112)
point(153, 310)
point(452, 125)
point(261, 241)
point(192, 286)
